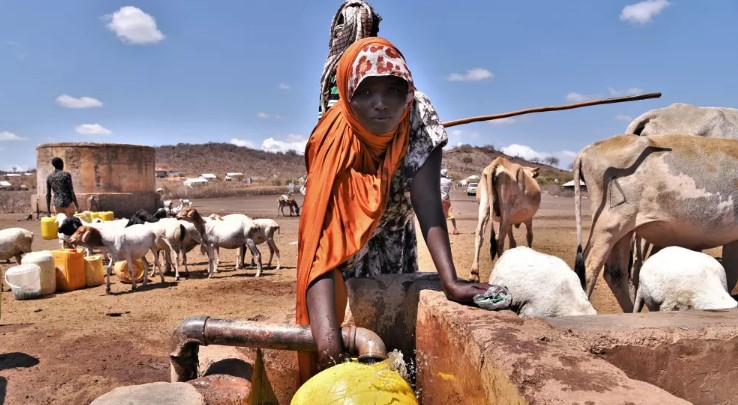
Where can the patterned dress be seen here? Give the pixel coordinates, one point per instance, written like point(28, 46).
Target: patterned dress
point(60, 182)
point(393, 247)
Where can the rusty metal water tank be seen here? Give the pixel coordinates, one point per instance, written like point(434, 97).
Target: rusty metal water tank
point(114, 177)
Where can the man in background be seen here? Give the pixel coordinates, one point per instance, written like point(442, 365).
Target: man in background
point(446, 184)
point(60, 182)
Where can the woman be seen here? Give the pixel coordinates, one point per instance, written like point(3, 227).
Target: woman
point(362, 159)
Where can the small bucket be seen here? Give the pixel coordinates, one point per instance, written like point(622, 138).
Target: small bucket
point(25, 281)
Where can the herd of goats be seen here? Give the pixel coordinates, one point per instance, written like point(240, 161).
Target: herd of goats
point(669, 184)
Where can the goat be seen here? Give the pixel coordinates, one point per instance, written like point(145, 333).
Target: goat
point(286, 200)
point(265, 233)
point(676, 279)
point(541, 284)
point(143, 216)
point(234, 232)
point(14, 242)
point(172, 236)
point(122, 244)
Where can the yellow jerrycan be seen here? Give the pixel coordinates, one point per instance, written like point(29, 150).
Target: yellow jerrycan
point(94, 272)
point(121, 271)
point(49, 228)
point(357, 383)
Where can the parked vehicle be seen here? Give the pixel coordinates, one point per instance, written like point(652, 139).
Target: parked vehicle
point(471, 189)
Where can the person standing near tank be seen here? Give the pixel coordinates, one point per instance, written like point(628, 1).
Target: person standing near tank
point(448, 212)
point(60, 182)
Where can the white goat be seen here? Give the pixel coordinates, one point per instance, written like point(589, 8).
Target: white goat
point(174, 237)
point(14, 242)
point(234, 232)
point(122, 244)
point(677, 279)
point(265, 233)
point(540, 284)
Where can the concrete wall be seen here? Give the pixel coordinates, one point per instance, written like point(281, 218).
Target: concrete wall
point(120, 176)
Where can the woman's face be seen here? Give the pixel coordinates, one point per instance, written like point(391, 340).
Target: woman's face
point(378, 103)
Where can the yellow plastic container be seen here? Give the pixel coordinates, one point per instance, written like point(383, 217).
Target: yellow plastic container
point(107, 215)
point(121, 270)
point(94, 215)
point(94, 272)
point(49, 228)
point(70, 269)
point(85, 216)
point(45, 261)
point(356, 383)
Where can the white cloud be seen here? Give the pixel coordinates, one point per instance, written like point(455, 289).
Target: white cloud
point(83, 102)
point(284, 86)
point(296, 143)
point(644, 11)
point(133, 26)
point(269, 116)
point(92, 129)
point(623, 117)
point(503, 121)
point(10, 42)
point(243, 143)
point(471, 75)
point(9, 136)
point(526, 152)
point(627, 92)
point(575, 97)
point(523, 151)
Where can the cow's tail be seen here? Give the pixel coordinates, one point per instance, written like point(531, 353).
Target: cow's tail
point(579, 262)
point(492, 194)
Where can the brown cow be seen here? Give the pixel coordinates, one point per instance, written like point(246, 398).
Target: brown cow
point(510, 193)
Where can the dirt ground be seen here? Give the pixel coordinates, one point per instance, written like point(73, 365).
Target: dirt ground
point(69, 348)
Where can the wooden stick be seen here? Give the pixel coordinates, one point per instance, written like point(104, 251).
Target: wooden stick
point(448, 124)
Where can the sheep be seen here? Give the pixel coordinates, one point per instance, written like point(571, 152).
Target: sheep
point(233, 232)
point(267, 228)
point(541, 285)
point(172, 236)
point(677, 279)
point(122, 244)
point(14, 242)
point(67, 226)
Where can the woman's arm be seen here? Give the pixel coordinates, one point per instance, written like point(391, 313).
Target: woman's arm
point(321, 303)
point(425, 195)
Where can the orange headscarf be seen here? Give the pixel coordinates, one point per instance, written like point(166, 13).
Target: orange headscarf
point(349, 171)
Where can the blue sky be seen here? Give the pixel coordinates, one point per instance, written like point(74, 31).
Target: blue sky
point(161, 72)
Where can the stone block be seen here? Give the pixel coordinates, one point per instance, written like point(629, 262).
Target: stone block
point(158, 393)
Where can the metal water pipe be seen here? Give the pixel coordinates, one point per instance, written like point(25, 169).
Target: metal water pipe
point(197, 331)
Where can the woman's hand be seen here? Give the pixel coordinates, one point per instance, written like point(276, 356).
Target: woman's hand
point(464, 293)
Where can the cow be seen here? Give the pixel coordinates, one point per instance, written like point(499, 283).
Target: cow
point(510, 194)
point(684, 119)
point(671, 190)
point(687, 119)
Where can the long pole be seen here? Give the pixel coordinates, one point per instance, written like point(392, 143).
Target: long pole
point(551, 108)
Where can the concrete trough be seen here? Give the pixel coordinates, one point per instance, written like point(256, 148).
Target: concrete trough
point(462, 354)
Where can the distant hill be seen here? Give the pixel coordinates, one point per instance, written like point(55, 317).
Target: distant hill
point(220, 158)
